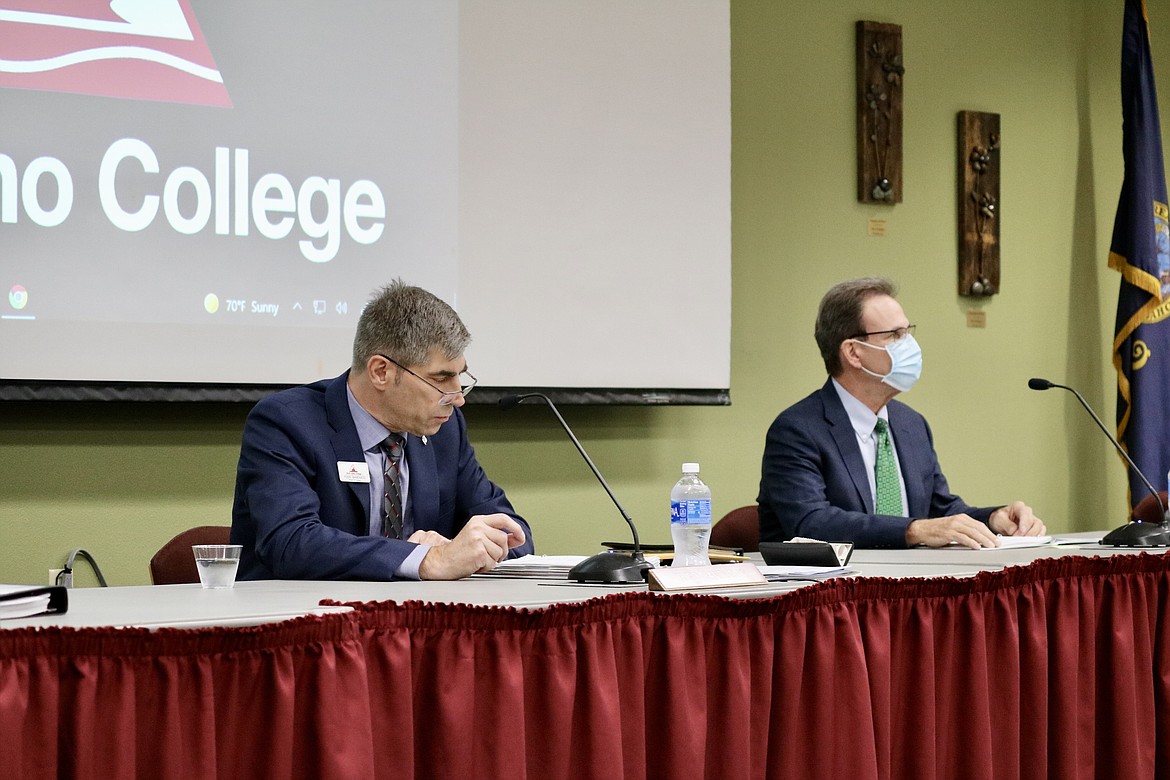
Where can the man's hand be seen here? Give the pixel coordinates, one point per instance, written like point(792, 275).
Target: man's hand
point(941, 531)
point(1016, 519)
point(478, 547)
point(429, 538)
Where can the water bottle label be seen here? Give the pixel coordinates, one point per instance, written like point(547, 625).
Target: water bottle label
point(695, 512)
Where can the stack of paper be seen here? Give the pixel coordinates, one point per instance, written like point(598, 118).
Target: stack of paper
point(1080, 537)
point(781, 573)
point(1022, 541)
point(541, 566)
point(17, 601)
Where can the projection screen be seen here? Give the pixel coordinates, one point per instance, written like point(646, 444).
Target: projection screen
point(197, 198)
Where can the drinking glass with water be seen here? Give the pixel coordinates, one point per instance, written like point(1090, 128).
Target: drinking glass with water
point(217, 564)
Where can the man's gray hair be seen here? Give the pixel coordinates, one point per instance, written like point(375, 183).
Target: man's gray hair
point(839, 315)
point(405, 323)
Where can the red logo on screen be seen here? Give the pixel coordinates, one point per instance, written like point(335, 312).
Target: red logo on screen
point(140, 49)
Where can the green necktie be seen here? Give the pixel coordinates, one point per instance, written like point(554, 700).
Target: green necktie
point(885, 471)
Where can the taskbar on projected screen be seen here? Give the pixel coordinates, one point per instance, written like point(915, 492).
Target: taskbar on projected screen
point(229, 311)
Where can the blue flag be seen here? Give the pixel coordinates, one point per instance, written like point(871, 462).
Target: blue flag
point(1140, 251)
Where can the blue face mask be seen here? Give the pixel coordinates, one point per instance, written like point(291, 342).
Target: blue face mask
point(905, 362)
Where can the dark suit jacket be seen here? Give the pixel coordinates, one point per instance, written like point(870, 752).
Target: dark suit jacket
point(814, 483)
point(297, 520)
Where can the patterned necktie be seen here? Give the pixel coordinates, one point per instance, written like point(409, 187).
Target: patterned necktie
point(885, 471)
point(392, 487)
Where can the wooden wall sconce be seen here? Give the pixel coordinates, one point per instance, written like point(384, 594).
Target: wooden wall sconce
point(978, 159)
point(879, 112)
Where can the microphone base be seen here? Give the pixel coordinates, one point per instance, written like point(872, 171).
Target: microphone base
point(611, 567)
point(1136, 534)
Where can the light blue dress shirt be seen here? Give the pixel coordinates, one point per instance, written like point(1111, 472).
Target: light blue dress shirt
point(371, 434)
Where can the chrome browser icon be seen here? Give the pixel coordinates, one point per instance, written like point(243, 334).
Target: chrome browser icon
point(18, 297)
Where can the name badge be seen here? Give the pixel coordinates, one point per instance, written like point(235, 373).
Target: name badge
point(350, 471)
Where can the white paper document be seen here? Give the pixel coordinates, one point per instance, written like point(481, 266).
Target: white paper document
point(1006, 542)
point(22, 606)
point(774, 573)
point(1080, 537)
point(547, 566)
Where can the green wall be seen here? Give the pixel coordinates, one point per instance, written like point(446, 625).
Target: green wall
point(120, 479)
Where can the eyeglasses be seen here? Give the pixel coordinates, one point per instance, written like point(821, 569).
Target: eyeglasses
point(467, 383)
point(896, 334)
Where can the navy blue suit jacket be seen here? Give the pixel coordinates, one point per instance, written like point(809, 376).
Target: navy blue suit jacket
point(297, 520)
point(814, 481)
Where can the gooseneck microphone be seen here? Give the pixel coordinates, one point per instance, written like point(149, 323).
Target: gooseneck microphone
point(1134, 533)
point(605, 566)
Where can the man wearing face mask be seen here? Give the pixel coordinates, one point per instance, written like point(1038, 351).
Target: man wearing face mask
point(849, 463)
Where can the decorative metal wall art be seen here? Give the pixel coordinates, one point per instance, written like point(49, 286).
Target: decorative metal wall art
point(879, 112)
point(978, 159)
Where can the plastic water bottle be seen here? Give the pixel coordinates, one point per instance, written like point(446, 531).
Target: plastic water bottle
point(690, 518)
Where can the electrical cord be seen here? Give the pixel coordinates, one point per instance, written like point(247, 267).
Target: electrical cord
point(65, 576)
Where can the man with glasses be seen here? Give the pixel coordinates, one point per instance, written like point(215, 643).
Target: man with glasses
point(370, 476)
point(849, 463)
